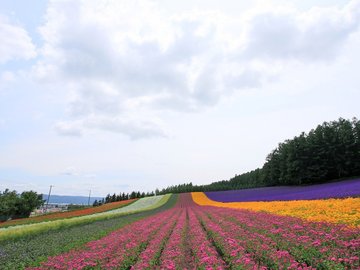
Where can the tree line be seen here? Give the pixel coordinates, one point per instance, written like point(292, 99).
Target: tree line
point(14, 205)
point(123, 197)
point(328, 152)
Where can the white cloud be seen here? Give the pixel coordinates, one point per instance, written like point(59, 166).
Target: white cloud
point(69, 128)
point(127, 62)
point(15, 42)
point(135, 129)
point(317, 34)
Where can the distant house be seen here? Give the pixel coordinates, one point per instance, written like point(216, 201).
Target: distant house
point(50, 208)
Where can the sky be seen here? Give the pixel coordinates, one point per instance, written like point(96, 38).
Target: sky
point(114, 96)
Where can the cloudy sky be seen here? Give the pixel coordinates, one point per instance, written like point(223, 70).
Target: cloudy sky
point(132, 95)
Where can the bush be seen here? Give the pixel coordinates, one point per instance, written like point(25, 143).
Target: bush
point(14, 205)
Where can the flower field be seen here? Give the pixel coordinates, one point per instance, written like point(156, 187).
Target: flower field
point(70, 214)
point(31, 249)
point(139, 205)
point(342, 211)
point(336, 202)
point(343, 189)
point(143, 204)
point(189, 236)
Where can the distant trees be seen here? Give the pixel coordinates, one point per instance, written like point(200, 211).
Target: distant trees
point(330, 151)
point(122, 197)
point(14, 205)
point(180, 188)
point(99, 202)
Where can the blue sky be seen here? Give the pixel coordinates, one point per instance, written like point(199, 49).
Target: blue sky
point(116, 96)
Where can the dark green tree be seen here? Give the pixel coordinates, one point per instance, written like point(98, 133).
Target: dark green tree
point(328, 152)
point(13, 205)
point(26, 203)
point(8, 200)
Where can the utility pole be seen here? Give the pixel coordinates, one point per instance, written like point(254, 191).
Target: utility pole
point(89, 197)
point(47, 203)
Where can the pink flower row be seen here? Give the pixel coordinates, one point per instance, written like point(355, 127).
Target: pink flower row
point(253, 239)
point(119, 249)
point(173, 239)
point(205, 254)
point(193, 237)
point(250, 251)
point(186, 246)
point(150, 257)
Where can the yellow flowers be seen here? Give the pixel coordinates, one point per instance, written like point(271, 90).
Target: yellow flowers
point(343, 211)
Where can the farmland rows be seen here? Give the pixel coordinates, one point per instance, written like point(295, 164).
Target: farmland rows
point(69, 214)
point(119, 249)
point(342, 189)
point(342, 211)
point(161, 241)
point(140, 205)
point(279, 242)
point(31, 249)
point(193, 237)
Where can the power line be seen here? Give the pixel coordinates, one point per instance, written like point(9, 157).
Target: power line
point(47, 203)
point(89, 197)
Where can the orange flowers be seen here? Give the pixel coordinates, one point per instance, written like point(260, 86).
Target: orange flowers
point(344, 211)
point(61, 215)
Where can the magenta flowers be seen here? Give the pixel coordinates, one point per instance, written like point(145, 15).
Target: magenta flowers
point(193, 237)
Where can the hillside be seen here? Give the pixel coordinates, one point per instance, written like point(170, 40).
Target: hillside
point(329, 152)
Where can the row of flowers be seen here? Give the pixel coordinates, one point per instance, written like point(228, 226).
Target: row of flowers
point(264, 241)
point(120, 249)
point(173, 239)
point(61, 215)
point(340, 189)
point(188, 246)
point(341, 211)
point(192, 237)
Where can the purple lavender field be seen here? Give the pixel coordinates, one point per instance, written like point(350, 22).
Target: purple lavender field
point(347, 188)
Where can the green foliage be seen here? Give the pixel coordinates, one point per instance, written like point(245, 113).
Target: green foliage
point(13, 205)
point(328, 152)
point(331, 151)
point(8, 201)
